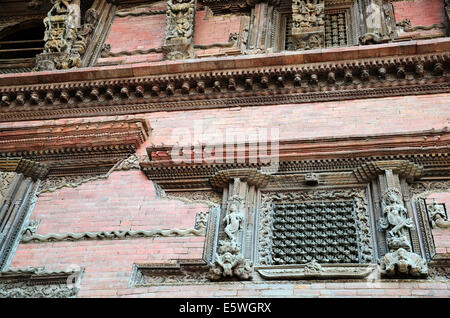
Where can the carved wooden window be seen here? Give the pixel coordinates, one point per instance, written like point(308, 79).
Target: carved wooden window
point(336, 28)
point(316, 230)
point(340, 26)
point(330, 227)
point(19, 45)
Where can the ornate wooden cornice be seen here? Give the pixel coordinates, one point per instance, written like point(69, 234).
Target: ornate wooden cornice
point(341, 160)
point(29, 168)
point(319, 75)
point(68, 147)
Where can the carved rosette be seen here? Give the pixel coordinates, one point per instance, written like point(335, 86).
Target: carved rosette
point(180, 19)
point(308, 24)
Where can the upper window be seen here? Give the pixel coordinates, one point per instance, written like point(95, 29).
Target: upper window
point(19, 46)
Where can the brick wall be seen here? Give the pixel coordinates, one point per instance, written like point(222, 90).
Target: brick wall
point(415, 10)
point(125, 201)
point(214, 29)
point(357, 117)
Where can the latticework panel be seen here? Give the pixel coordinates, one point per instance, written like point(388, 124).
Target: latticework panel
point(325, 232)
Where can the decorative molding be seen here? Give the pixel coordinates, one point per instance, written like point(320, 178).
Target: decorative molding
point(403, 168)
point(131, 53)
point(342, 161)
point(56, 183)
point(425, 229)
point(111, 235)
point(178, 273)
point(28, 168)
point(252, 176)
point(211, 198)
point(315, 271)
point(15, 209)
point(125, 13)
point(422, 189)
point(37, 283)
point(78, 148)
point(299, 84)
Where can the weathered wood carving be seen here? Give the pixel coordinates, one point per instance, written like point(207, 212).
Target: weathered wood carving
point(179, 29)
point(65, 41)
point(229, 261)
point(308, 24)
point(401, 259)
point(437, 215)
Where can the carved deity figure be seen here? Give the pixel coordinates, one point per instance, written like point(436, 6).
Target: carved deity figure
point(437, 216)
point(308, 13)
point(180, 13)
point(396, 219)
point(65, 41)
point(227, 261)
point(234, 219)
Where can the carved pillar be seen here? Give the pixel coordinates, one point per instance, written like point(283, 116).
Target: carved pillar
point(260, 28)
point(17, 191)
point(180, 21)
point(447, 14)
point(308, 24)
point(378, 21)
point(397, 223)
point(65, 38)
point(235, 240)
